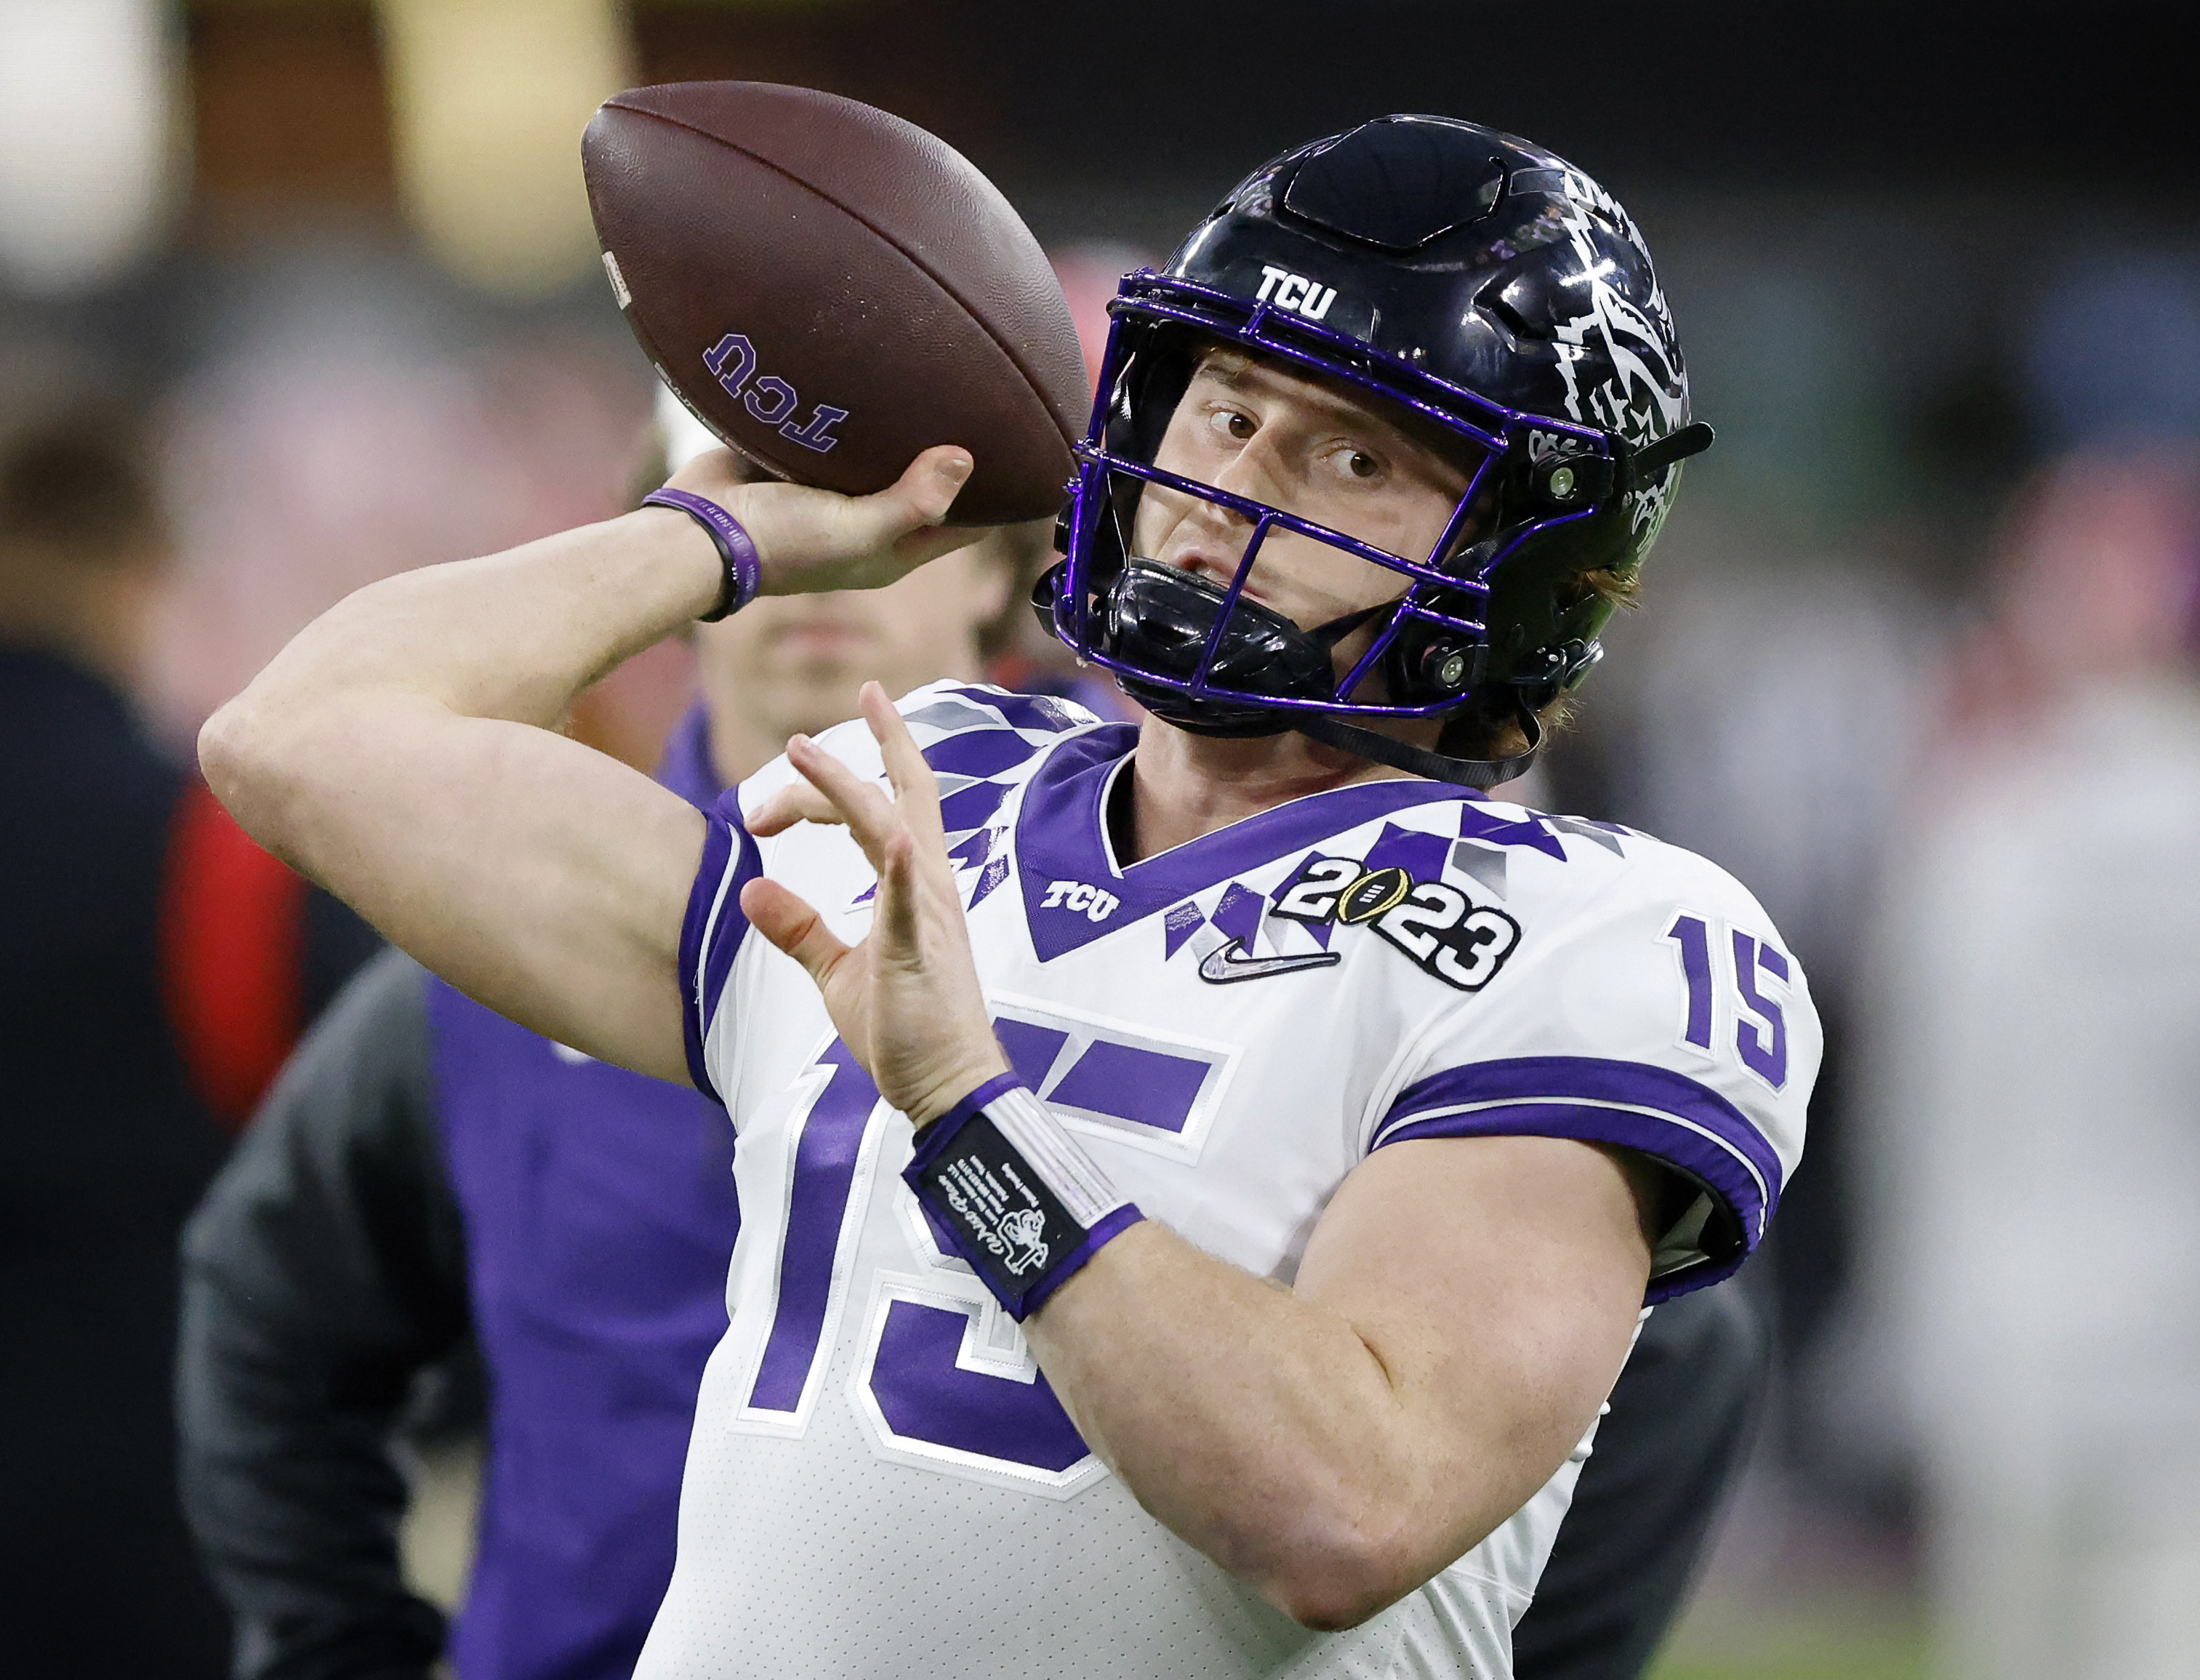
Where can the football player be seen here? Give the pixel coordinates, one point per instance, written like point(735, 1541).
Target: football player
point(1209, 1179)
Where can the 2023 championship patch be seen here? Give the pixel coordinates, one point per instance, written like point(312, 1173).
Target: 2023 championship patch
point(1446, 933)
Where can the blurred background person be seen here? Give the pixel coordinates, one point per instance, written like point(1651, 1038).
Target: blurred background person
point(105, 1146)
point(2037, 1228)
point(156, 967)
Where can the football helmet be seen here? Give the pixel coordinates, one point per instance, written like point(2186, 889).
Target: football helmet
point(1475, 289)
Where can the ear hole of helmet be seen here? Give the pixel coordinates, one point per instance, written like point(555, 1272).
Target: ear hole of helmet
point(1544, 612)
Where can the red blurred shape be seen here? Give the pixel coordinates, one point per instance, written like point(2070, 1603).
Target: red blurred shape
point(233, 956)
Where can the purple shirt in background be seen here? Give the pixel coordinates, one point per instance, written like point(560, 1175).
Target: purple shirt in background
point(600, 1218)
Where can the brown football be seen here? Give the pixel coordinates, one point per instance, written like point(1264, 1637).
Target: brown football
point(833, 290)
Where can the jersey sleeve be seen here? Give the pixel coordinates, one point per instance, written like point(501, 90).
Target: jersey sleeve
point(714, 930)
point(1663, 1014)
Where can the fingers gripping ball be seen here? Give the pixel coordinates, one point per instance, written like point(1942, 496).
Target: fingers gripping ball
point(832, 290)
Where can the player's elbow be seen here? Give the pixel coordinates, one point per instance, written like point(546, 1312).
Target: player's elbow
point(252, 756)
point(230, 750)
point(1343, 1572)
point(1341, 1595)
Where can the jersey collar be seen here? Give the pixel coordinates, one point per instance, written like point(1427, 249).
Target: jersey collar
point(1061, 827)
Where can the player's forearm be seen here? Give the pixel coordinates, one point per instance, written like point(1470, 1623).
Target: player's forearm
point(1260, 1426)
point(513, 636)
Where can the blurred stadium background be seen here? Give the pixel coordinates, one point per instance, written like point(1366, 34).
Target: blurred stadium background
point(1936, 268)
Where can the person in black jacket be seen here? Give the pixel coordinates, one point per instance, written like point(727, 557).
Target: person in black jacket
point(155, 967)
point(337, 1274)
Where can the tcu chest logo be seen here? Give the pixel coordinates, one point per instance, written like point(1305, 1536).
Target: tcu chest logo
point(733, 361)
point(1295, 292)
point(1097, 905)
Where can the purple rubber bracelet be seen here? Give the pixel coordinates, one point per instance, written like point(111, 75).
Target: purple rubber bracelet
point(744, 571)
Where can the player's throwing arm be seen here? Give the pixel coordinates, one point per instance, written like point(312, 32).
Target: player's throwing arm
point(402, 752)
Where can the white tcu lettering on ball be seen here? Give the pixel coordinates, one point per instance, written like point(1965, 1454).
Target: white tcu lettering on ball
point(1295, 292)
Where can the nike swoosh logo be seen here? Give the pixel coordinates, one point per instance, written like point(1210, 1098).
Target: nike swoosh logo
point(1228, 963)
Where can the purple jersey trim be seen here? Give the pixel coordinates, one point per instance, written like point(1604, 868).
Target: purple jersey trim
point(1058, 838)
point(1662, 1114)
point(982, 751)
point(711, 933)
point(1025, 711)
point(1111, 1226)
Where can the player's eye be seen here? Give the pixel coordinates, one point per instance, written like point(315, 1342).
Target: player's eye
point(1239, 427)
point(1358, 465)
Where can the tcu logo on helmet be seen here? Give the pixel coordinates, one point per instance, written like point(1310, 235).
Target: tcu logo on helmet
point(1295, 292)
point(733, 359)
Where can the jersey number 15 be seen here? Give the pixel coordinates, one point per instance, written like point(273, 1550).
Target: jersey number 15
point(1760, 1024)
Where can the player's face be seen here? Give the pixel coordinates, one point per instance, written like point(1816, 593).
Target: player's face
point(790, 663)
point(1246, 426)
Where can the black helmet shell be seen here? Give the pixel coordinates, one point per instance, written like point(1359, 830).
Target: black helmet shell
point(1472, 255)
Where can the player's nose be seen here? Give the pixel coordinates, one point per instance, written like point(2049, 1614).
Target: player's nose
point(1263, 471)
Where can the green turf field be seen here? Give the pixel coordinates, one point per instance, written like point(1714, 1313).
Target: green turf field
point(1867, 1640)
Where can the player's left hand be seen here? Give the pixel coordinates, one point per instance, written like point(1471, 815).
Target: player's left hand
point(906, 998)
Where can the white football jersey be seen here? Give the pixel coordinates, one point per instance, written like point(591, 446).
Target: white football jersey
point(881, 1484)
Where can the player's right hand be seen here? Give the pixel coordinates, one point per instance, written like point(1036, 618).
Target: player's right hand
point(809, 540)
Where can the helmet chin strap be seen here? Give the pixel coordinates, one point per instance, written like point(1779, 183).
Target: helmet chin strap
point(1332, 731)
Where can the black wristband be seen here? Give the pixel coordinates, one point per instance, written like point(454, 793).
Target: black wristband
point(1003, 1184)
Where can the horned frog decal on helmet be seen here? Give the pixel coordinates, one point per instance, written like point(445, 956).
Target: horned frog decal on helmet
point(1643, 393)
